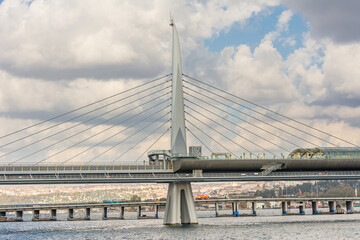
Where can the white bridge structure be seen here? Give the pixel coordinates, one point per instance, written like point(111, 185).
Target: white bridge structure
point(177, 166)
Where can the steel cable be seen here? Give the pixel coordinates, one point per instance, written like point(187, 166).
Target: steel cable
point(279, 114)
point(77, 109)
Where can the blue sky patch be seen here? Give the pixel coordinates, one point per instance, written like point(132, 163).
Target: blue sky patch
point(256, 28)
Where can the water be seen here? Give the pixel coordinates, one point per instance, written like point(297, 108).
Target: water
point(264, 226)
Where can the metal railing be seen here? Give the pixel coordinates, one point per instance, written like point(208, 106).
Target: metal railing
point(167, 167)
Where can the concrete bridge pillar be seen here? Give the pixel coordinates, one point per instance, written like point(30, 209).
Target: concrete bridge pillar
point(314, 205)
point(253, 207)
point(53, 213)
point(122, 211)
point(36, 214)
point(349, 207)
point(235, 209)
point(180, 207)
point(301, 208)
point(284, 207)
point(139, 211)
point(216, 209)
point(70, 213)
point(105, 212)
point(87, 212)
point(332, 206)
point(18, 214)
point(156, 207)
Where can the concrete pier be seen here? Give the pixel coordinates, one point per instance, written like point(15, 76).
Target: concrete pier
point(36, 214)
point(19, 215)
point(332, 205)
point(156, 211)
point(301, 208)
point(139, 211)
point(284, 207)
point(253, 208)
point(349, 207)
point(180, 206)
point(216, 209)
point(70, 213)
point(87, 212)
point(235, 209)
point(72, 218)
point(105, 213)
point(122, 212)
point(53, 213)
point(314, 205)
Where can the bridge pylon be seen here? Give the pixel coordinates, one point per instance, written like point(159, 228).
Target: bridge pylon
point(180, 206)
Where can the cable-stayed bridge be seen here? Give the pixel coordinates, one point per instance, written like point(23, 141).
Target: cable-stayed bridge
point(115, 139)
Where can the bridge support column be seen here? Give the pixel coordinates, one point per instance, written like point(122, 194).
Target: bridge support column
point(235, 209)
point(36, 214)
point(122, 211)
point(19, 215)
point(70, 213)
point(87, 212)
point(349, 207)
point(284, 207)
point(139, 211)
point(180, 207)
point(3, 216)
point(253, 207)
point(314, 205)
point(53, 213)
point(332, 206)
point(301, 208)
point(156, 207)
point(105, 213)
point(216, 209)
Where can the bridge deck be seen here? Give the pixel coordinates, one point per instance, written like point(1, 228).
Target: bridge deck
point(165, 177)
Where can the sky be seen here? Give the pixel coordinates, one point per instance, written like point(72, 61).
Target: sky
point(298, 58)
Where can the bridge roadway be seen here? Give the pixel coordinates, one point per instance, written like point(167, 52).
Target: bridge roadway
point(162, 176)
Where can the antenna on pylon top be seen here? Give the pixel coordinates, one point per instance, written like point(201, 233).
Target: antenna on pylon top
point(171, 20)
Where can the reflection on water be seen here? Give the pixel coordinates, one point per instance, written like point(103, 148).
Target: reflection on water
point(269, 224)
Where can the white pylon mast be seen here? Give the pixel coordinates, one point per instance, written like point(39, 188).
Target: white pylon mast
point(178, 134)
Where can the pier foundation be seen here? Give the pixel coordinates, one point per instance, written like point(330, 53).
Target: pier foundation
point(180, 207)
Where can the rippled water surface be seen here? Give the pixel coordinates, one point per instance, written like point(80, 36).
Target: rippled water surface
point(264, 226)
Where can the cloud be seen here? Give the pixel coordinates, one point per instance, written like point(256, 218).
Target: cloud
point(63, 40)
point(337, 20)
